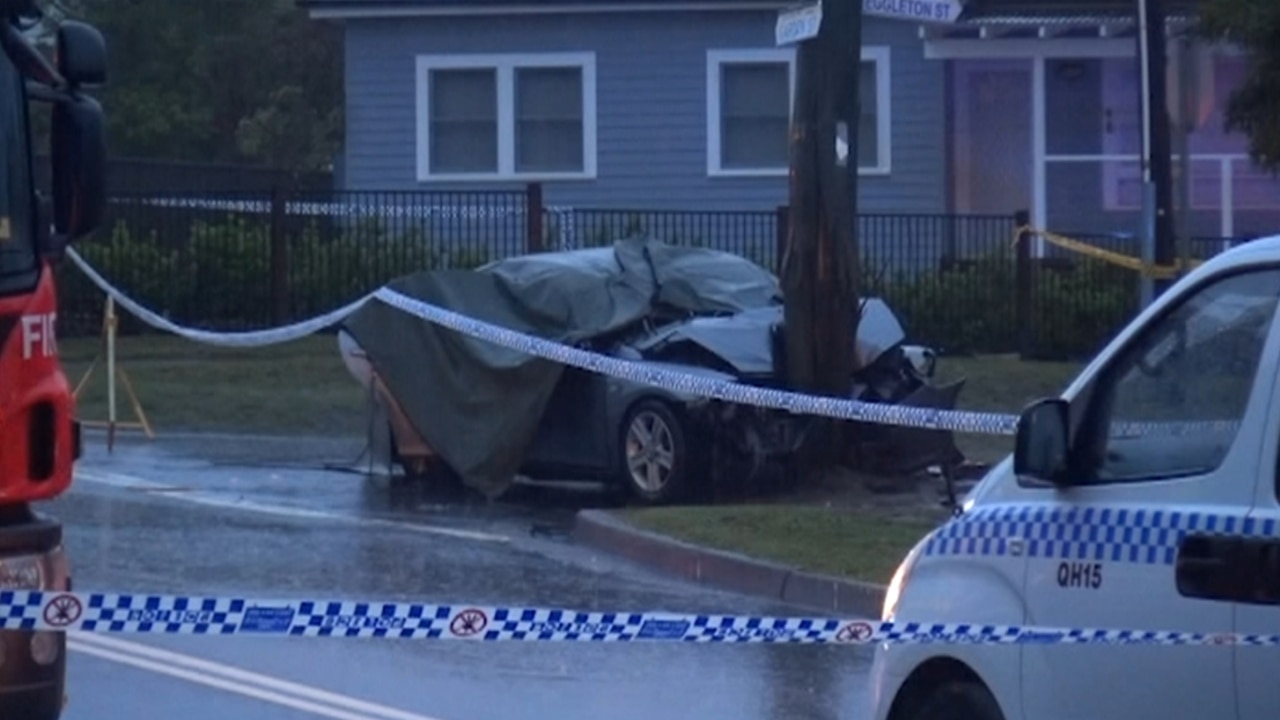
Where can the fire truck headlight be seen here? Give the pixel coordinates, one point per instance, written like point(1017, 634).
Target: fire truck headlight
point(21, 572)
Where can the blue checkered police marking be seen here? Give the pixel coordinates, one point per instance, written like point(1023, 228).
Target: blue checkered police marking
point(164, 614)
point(1102, 534)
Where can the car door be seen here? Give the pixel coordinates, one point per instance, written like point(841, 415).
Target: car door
point(1167, 440)
point(1250, 577)
point(571, 435)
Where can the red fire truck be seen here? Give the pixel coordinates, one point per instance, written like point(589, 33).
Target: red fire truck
point(39, 438)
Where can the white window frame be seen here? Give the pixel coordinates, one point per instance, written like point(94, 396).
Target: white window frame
point(716, 59)
point(505, 65)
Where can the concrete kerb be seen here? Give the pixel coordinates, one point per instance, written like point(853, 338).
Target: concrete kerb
point(727, 571)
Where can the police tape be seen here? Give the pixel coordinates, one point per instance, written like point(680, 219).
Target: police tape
point(182, 615)
point(704, 386)
point(683, 382)
point(250, 339)
point(644, 373)
point(961, 421)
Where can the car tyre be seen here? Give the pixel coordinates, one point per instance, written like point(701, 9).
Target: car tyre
point(654, 453)
point(958, 701)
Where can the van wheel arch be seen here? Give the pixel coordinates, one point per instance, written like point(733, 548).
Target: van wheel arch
point(948, 678)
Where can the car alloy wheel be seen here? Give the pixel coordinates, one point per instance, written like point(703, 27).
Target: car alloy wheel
point(653, 448)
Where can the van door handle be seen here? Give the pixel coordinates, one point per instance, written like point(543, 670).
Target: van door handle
point(1230, 569)
point(1203, 569)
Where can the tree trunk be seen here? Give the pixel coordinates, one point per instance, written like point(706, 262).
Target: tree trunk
point(820, 270)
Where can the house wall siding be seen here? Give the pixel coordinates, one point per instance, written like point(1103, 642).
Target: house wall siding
point(651, 106)
point(1084, 119)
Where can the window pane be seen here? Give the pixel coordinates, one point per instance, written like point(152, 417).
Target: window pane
point(755, 115)
point(754, 143)
point(549, 120)
point(1179, 392)
point(464, 121)
point(755, 90)
point(868, 134)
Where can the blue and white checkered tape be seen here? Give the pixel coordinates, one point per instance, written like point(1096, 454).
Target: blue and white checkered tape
point(683, 382)
point(983, 423)
point(1117, 534)
point(168, 614)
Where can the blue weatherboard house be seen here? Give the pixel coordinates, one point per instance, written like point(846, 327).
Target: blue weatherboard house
point(684, 104)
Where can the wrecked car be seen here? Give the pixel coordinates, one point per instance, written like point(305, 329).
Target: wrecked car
point(486, 414)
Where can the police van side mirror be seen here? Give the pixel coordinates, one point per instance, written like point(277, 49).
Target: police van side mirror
point(1042, 443)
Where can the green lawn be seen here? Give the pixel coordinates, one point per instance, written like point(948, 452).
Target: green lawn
point(863, 544)
point(829, 541)
point(300, 387)
point(1002, 383)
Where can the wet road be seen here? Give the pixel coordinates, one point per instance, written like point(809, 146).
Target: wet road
point(238, 517)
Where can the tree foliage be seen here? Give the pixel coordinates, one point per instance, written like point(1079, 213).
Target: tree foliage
point(219, 80)
point(1254, 107)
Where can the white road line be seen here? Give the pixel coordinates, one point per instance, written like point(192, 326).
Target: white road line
point(214, 500)
point(235, 680)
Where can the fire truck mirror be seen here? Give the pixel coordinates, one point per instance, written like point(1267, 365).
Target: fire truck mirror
point(82, 54)
point(10, 8)
point(79, 160)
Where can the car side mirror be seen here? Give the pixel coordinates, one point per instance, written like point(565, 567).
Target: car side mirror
point(9, 8)
point(1042, 443)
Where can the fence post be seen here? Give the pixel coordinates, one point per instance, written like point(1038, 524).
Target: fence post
point(279, 258)
point(782, 228)
point(1023, 296)
point(534, 230)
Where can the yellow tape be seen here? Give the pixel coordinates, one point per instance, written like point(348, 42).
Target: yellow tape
point(1125, 261)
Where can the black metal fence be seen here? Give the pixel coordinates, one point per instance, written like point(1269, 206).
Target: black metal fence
point(247, 260)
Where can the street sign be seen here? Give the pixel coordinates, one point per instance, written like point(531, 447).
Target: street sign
point(938, 11)
point(798, 24)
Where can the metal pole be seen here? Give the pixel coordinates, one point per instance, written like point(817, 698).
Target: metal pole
point(1156, 142)
point(1147, 231)
point(1186, 58)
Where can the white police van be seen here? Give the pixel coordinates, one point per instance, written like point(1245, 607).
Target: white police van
point(1107, 516)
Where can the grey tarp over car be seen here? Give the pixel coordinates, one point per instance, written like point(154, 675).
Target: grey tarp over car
point(478, 405)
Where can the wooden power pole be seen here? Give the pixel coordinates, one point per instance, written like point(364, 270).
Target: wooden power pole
point(821, 267)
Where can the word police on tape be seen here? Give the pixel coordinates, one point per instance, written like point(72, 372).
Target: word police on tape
point(167, 614)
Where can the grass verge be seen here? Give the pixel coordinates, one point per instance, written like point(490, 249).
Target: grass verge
point(300, 387)
point(865, 544)
point(1005, 384)
point(845, 543)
